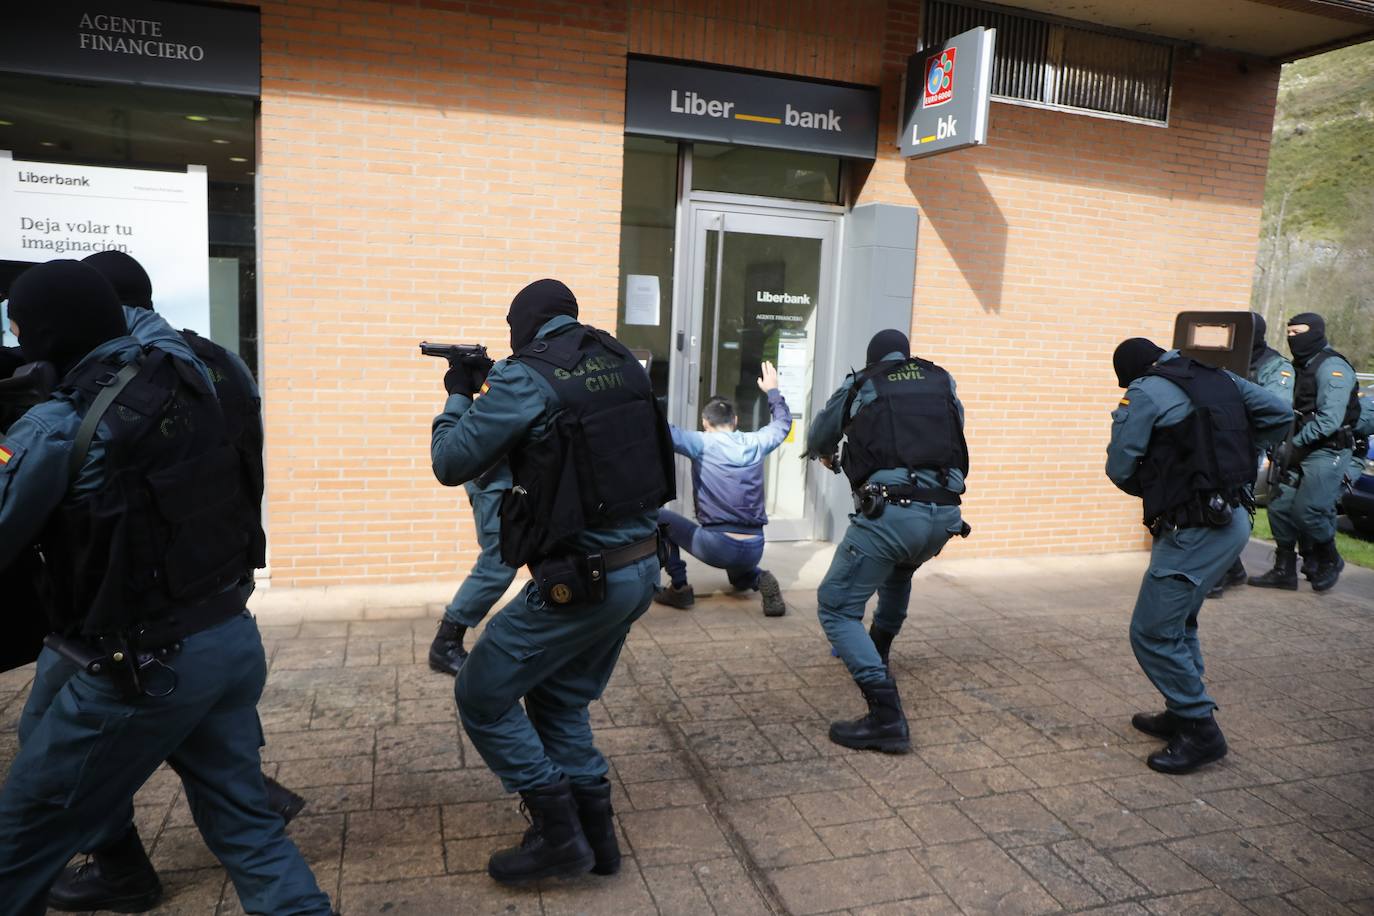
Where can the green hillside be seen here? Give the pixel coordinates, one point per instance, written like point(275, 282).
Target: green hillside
point(1323, 146)
point(1316, 249)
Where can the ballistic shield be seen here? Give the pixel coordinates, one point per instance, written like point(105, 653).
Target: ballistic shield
point(1217, 339)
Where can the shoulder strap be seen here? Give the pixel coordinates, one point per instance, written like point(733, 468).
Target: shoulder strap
point(860, 378)
point(86, 432)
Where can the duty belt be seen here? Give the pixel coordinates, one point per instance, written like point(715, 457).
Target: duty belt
point(905, 494)
point(580, 578)
point(125, 657)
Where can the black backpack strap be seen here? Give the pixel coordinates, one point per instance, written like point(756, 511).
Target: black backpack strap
point(85, 434)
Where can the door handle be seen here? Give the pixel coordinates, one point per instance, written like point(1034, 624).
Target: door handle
point(681, 340)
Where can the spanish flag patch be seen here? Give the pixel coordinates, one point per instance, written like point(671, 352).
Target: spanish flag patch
point(5, 456)
point(1125, 402)
point(485, 389)
point(1336, 373)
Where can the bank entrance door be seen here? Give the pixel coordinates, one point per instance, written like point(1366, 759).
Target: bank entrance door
point(759, 288)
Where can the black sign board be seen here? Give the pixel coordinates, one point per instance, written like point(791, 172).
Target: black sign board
point(146, 42)
point(1218, 339)
point(688, 102)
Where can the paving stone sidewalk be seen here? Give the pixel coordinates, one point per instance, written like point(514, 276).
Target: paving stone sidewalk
point(1026, 791)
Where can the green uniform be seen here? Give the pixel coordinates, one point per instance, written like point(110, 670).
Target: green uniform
point(877, 554)
point(1304, 510)
point(557, 660)
point(1184, 562)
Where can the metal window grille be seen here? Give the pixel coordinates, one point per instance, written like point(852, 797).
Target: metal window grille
point(1051, 63)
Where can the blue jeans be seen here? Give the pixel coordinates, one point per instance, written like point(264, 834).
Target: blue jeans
point(489, 578)
point(1184, 565)
point(878, 554)
point(739, 558)
point(558, 659)
point(85, 751)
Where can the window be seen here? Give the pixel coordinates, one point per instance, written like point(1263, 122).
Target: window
point(54, 120)
point(765, 172)
point(1058, 65)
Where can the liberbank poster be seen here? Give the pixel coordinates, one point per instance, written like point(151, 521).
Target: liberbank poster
point(50, 210)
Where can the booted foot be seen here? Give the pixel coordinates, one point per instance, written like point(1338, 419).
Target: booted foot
point(1329, 566)
point(1284, 575)
point(680, 597)
point(1309, 566)
point(1236, 575)
point(446, 653)
point(883, 729)
point(1197, 743)
point(597, 817)
point(1159, 725)
point(118, 878)
point(554, 845)
point(771, 592)
point(283, 801)
point(882, 641)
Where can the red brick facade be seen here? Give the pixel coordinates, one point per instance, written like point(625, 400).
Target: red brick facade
point(421, 162)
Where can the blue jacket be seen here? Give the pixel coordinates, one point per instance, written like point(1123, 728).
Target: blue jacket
point(727, 468)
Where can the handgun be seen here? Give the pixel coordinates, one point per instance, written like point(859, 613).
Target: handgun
point(454, 353)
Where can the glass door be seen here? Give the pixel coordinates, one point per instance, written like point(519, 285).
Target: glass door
point(759, 289)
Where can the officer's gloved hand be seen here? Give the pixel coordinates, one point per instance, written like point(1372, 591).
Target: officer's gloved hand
point(467, 375)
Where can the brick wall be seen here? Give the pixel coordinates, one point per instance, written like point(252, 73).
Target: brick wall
point(1041, 251)
point(421, 161)
point(417, 166)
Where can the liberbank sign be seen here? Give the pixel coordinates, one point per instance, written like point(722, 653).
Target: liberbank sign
point(685, 102)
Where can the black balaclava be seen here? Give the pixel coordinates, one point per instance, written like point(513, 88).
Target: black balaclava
point(1309, 343)
point(1133, 357)
point(885, 342)
point(1258, 345)
point(534, 306)
point(64, 309)
point(126, 275)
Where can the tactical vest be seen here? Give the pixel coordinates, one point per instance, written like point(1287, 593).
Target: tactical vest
point(242, 410)
point(913, 424)
point(1211, 452)
point(163, 531)
point(1305, 392)
point(607, 455)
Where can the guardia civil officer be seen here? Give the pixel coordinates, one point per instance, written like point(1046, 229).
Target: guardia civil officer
point(1184, 440)
point(129, 481)
point(108, 875)
point(591, 460)
point(1273, 373)
point(1303, 514)
point(906, 459)
point(488, 579)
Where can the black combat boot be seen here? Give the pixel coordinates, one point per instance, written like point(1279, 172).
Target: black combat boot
point(1197, 743)
point(883, 729)
point(118, 878)
point(598, 825)
point(679, 596)
point(1285, 572)
point(1236, 575)
point(1308, 567)
point(1329, 566)
point(554, 845)
point(882, 641)
point(282, 801)
point(1160, 724)
point(446, 653)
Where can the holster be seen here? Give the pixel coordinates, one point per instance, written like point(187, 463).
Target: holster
point(580, 578)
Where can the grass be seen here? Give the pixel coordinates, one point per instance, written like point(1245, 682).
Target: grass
point(1355, 551)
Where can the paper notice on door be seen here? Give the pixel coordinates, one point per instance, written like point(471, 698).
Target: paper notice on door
point(641, 299)
point(793, 366)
